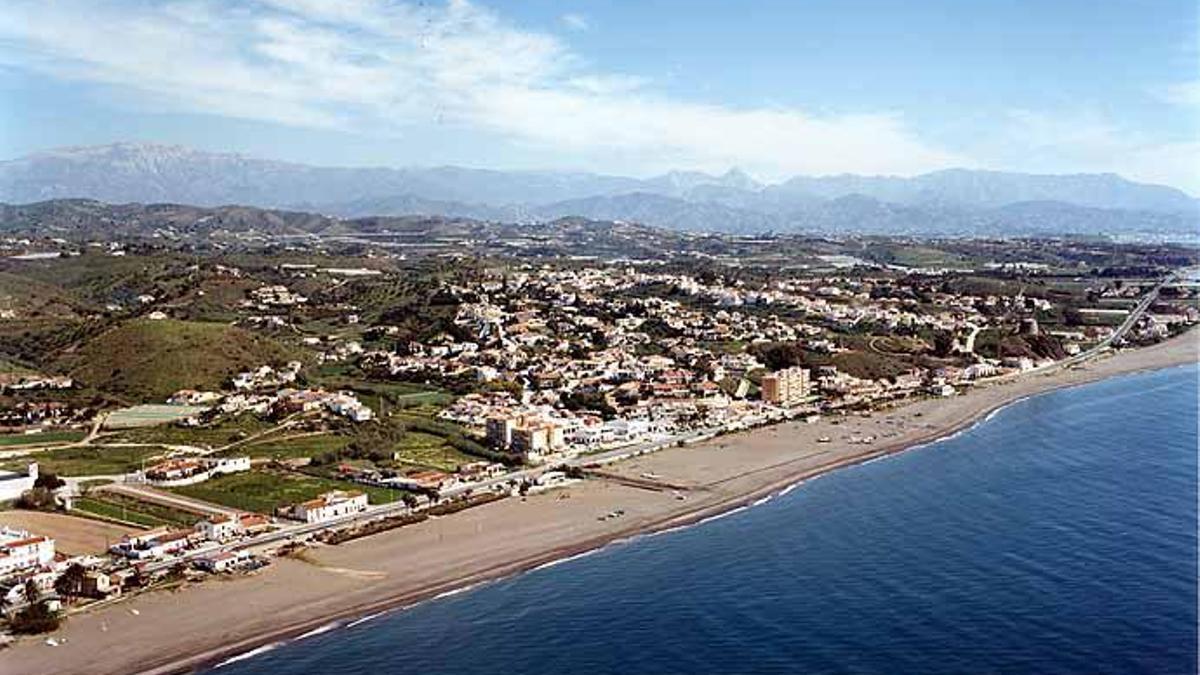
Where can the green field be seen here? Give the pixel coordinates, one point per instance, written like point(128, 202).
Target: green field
point(90, 461)
point(265, 491)
point(129, 509)
point(423, 449)
point(227, 431)
point(292, 448)
point(44, 438)
point(375, 394)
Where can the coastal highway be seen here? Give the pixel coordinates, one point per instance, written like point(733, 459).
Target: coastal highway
point(1105, 344)
point(299, 531)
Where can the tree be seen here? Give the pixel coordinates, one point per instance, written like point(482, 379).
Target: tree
point(1073, 317)
point(37, 499)
point(49, 481)
point(37, 618)
point(943, 343)
point(32, 592)
point(70, 582)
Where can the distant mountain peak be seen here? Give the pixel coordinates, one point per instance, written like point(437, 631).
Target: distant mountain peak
point(148, 172)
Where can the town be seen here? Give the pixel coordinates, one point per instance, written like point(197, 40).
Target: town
point(180, 414)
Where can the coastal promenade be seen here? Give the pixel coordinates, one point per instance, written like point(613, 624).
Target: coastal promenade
point(173, 631)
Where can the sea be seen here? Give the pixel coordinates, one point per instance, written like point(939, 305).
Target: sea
point(1057, 536)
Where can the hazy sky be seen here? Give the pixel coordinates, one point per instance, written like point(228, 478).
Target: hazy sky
point(636, 87)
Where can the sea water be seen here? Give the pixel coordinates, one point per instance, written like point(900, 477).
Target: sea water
point(1059, 536)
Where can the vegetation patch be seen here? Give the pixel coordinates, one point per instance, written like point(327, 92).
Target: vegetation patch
point(265, 491)
point(87, 461)
point(147, 360)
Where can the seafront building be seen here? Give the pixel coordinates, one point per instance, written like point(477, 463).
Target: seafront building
point(330, 505)
point(786, 387)
point(21, 551)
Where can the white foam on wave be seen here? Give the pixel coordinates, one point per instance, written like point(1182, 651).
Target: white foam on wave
point(762, 500)
point(791, 487)
point(320, 629)
point(559, 561)
point(453, 592)
point(366, 618)
point(723, 514)
point(248, 655)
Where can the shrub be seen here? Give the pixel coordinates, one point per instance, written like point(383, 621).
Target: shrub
point(37, 618)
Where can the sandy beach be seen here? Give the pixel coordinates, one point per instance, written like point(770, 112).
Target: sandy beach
point(170, 631)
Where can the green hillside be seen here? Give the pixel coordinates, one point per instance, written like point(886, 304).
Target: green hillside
point(146, 360)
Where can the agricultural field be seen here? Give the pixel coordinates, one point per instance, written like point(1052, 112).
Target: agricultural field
point(44, 438)
point(293, 447)
point(265, 491)
point(132, 510)
point(394, 394)
point(87, 461)
point(227, 431)
point(421, 449)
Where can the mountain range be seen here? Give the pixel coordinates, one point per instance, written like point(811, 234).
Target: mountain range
point(952, 201)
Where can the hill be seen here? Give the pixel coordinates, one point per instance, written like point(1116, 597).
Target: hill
point(146, 360)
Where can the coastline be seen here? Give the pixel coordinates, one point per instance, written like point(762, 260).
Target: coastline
point(204, 625)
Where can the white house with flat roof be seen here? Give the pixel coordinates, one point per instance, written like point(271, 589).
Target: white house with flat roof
point(13, 483)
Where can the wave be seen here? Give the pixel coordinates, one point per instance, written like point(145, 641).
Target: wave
point(320, 629)
point(453, 592)
point(249, 655)
point(559, 561)
point(723, 514)
point(366, 618)
point(762, 500)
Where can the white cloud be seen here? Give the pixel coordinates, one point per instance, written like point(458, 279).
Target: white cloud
point(1181, 93)
point(575, 21)
point(385, 69)
point(381, 67)
point(1086, 141)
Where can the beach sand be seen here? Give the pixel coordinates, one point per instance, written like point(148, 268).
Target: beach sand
point(206, 623)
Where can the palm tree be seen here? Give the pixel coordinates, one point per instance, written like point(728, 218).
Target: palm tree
point(70, 582)
point(32, 592)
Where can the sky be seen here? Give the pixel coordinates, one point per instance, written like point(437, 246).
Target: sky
point(774, 87)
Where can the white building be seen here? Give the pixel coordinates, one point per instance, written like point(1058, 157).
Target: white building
point(14, 484)
point(219, 528)
point(330, 505)
point(22, 551)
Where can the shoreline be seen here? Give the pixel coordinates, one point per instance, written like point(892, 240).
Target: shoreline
point(781, 472)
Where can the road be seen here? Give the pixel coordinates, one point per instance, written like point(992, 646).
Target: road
point(298, 531)
point(1105, 344)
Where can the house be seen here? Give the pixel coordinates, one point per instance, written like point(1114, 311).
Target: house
point(222, 465)
point(333, 504)
point(219, 528)
point(21, 551)
point(100, 584)
point(187, 471)
point(152, 544)
point(174, 469)
point(253, 523)
point(217, 563)
point(14, 484)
